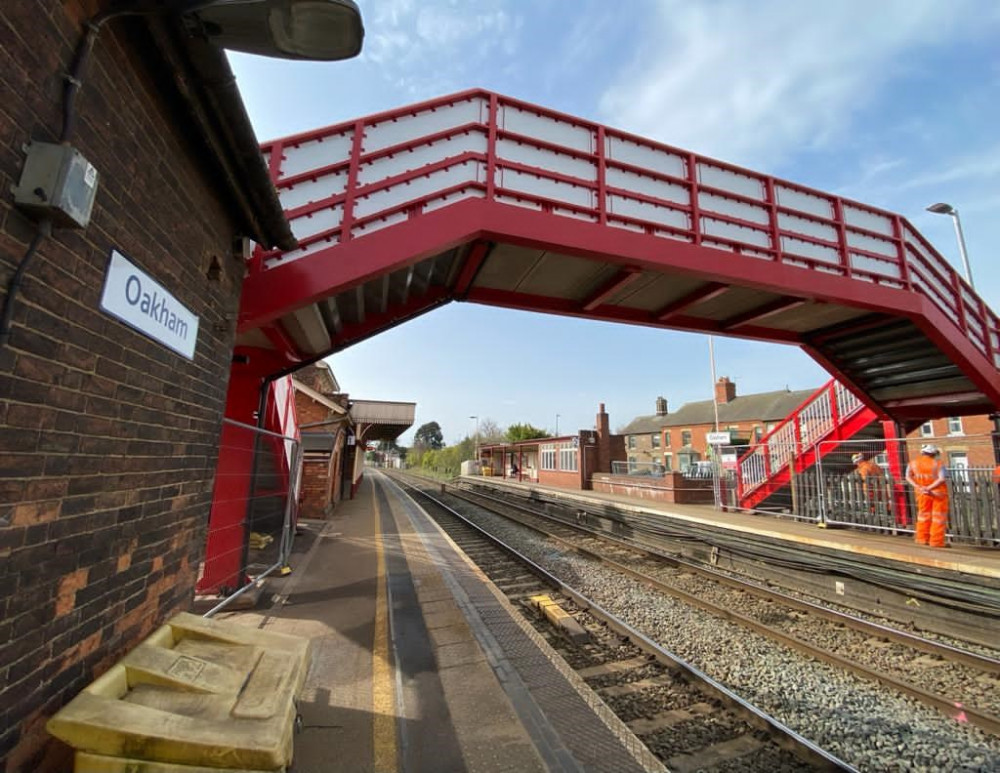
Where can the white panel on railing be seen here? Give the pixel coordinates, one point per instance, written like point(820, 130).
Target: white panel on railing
point(807, 227)
point(378, 224)
point(875, 266)
point(654, 213)
point(809, 250)
point(421, 156)
point(647, 186)
point(535, 185)
point(317, 222)
point(309, 191)
point(916, 246)
point(560, 163)
point(455, 197)
point(929, 289)
point(942, 290)
point(585, 216)
point(870, 221)
point(809, 203)
point(725, 246)
point(542, 127)
point(653, 159)
point(407, 128)
point(301, 252)
point(871, 243)
point(711, 202)
point(738, 233)
point(727, 180)
point(316, 154)
point(970, 300)
point(417, 188)
point(626, 226)
point(515, 201)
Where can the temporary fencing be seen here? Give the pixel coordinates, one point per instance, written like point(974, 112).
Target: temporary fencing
point(862, 483)
point(254, 509)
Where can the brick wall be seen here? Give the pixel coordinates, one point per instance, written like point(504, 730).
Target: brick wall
point(108, 440)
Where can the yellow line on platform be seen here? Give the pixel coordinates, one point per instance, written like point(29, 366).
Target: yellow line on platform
point(383, 694)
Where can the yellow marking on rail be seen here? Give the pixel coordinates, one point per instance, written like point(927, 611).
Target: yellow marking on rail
point(383, 692)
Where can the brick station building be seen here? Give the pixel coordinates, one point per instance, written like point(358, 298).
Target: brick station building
point(108, 438)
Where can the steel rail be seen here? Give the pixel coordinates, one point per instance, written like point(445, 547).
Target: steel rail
point(950, 708)
point(781, 733)
point(947, 651)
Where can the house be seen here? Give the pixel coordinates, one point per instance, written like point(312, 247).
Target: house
point(675, 441)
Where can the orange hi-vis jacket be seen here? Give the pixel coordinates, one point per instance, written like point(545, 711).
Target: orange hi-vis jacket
point(868, 469)
point(925, 470)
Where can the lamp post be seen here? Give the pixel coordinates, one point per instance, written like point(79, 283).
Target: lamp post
point(947, 209)
point(475, 437)
point(557, 425)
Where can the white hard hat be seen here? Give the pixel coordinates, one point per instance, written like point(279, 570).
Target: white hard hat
point(857, 457)
point(930, 449)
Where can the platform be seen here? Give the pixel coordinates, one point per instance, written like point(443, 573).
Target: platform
point(419, 663)
point(955, 590)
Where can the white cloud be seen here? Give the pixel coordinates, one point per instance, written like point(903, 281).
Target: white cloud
point(432, 45)
point(752, 82)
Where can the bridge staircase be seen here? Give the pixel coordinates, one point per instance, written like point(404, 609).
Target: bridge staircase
point(831, 415)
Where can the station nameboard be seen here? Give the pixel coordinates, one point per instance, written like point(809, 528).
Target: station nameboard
point(718, 438)
point(142, 303)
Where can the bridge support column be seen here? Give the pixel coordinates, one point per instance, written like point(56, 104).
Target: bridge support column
point(895, 447)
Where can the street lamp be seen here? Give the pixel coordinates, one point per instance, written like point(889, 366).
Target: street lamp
point(947, 209)
point(476, 437)
point(557, 425)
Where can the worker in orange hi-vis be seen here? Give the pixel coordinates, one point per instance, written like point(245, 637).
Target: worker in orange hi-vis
point(866, 468)
point(926, 474)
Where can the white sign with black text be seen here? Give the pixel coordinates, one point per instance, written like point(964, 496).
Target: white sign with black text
point(717, 438)
point(141, 302)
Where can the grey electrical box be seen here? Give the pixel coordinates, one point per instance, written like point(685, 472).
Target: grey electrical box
point(57, 184)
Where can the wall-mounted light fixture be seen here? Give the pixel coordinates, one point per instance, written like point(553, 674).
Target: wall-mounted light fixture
point(324, 30)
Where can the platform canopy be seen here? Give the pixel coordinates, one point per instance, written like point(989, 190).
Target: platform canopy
point(482, 198)
point(379, 420)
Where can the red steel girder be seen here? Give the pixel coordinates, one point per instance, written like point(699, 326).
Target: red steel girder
point(618, 282)
point(476, 257)
point(762, 312)
point(702, 294)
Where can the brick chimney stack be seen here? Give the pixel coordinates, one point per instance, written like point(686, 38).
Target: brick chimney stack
point(603, 425)
point(661, 406)
point(725, 391)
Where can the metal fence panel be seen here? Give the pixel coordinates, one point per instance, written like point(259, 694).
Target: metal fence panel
point(255, 507)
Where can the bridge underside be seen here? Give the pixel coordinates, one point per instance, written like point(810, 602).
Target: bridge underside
point(481, 199)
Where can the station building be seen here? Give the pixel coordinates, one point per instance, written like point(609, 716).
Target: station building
point(109, 425)
point(568, 461)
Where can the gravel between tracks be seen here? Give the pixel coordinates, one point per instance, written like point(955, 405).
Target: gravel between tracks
point(871, 727)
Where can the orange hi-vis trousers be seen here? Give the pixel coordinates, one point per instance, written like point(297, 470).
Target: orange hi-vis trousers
point(932, 518)
point(932, 508)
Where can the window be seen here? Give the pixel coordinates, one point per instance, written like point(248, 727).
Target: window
point(927, 430)
point(631, 442)
point(758, 433)
point(686, 437)
point(955, 425)
point(631, 465)
point(548, 453)
point(656, 440)
point(666, 438)
point(958, 466)
point(567, 457)
point(668, 462)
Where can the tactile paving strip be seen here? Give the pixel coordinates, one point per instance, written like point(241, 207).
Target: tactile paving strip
point(572, 728)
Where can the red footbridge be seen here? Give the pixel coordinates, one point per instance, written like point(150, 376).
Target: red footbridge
point(481, 198)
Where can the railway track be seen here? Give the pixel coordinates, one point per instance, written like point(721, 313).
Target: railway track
point(687, 720)
point(959, 683)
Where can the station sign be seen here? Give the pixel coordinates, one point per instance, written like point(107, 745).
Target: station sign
point(142, 303)
point(718, 438)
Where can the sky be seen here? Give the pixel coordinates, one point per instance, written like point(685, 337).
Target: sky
point(892, 103)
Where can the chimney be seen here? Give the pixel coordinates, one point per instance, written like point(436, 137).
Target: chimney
point(661, 406)
point(603, 461)
point(725, 391)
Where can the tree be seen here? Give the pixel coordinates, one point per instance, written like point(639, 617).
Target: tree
point(490, 432)
point(429, 436)
point(518, 432)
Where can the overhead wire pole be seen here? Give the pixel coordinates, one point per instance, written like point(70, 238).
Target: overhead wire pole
point(716, 469)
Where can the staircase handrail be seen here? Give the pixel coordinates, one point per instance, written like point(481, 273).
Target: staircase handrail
point(766, 458)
